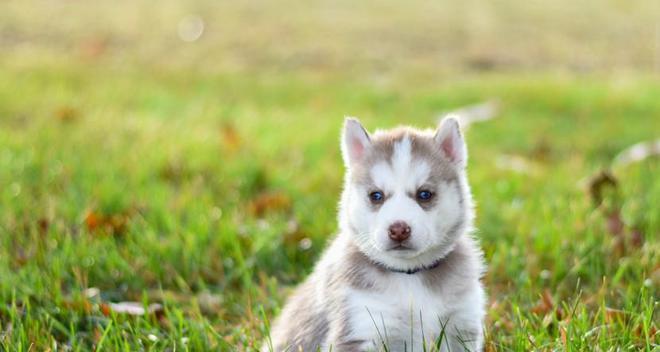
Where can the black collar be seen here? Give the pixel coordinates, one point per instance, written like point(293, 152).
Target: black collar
point(412, 271)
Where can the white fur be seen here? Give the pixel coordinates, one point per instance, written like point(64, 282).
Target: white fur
point(398, 180)
point(409, 313)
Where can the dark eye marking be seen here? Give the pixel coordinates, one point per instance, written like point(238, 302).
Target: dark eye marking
point(376, 197)
point(424, 195)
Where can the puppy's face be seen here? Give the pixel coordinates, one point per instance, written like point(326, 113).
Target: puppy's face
point(406, 197)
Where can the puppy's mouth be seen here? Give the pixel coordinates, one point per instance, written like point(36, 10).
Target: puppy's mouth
point(400, 247)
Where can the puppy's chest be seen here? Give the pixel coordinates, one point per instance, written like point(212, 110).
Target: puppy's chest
point(402, 309)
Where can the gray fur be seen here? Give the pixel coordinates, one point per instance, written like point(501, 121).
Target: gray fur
point(424, 147)
point(303, 324)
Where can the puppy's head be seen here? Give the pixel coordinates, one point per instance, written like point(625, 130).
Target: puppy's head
point(406, 197)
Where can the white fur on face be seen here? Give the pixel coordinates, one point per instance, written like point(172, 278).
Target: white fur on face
point(399, 179)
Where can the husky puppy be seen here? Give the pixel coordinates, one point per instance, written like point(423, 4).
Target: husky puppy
point(403, 273)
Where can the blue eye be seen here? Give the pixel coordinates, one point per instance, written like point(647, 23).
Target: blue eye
point(376, 197)
point(424, 195)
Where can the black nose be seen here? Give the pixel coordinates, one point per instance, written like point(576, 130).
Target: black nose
point(399, 231)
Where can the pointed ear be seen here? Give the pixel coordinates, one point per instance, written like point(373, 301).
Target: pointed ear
point(450, 141)
point(354, 142)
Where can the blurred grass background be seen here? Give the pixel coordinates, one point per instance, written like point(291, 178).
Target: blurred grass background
point(368, 38)
point(186, 154)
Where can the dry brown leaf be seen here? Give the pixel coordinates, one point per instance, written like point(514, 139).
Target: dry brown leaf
point(545, 304)
point(490, 346)
point(636, 238)
point(639, 331)
point(43, 225)
point(542, 150)
point(612, 315)
point(109, 224)
point(562, 334)
point(66, 114)
point(230, 137)
point(98, 333)
point(603, 192)
point(21, 257)
point(93, 220)
point(546, 307)
point(598, 183)
point(174, 171)
point(498, 316)
point(615, 225)
point(92, 48)
point(105, 309)
point(78, 305)
point(269, 202)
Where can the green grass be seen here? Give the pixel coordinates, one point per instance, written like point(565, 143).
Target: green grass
point(204, 176)
point(182, 160)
